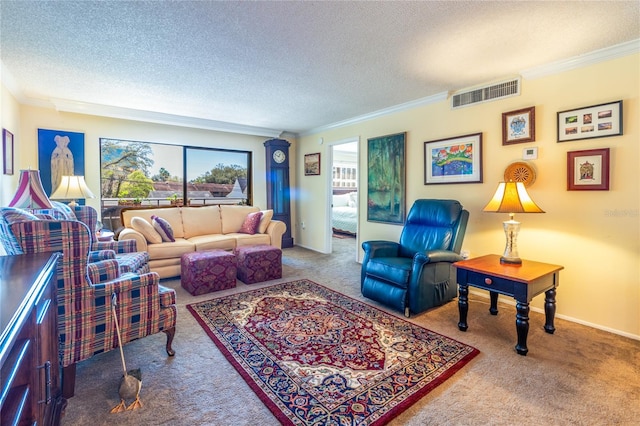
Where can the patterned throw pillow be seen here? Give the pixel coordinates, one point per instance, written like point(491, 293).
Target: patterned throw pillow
point(145, 228)
point(251, 223)
point(163, 227)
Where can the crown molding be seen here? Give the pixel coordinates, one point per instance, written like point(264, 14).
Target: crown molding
point(601, 55)
point(606, 54)
point(379, 113)
point(161, 118)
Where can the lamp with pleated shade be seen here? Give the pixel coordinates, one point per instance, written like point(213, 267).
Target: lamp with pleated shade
point(30, 193)
point(511, 197)
point(72, 188)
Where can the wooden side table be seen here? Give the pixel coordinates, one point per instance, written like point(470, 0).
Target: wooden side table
point(522, 282)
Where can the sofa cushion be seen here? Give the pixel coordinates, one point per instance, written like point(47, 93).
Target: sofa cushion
point(201, 221)
point(145, 228)
point(233, 217)
point(249, 240)
point(214, 241)
point(163, 228)
point(265, 221)
point(170, 250)
point(251, 223)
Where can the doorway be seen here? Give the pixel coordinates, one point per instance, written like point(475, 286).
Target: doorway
point(344, 197)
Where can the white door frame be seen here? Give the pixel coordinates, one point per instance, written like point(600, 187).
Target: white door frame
point(329, 184)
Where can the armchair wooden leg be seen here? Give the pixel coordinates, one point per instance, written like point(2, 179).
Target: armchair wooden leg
point(68, 381)
point(170, 333)
point(406, 312)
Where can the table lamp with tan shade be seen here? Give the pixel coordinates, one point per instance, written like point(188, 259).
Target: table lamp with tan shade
point(511, 198)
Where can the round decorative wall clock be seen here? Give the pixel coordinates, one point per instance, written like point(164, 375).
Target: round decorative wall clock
point(520, 172)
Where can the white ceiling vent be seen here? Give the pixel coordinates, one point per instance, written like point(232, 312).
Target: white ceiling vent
point(503, 89)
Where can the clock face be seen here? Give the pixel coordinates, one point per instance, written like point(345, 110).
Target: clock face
point(279, 156)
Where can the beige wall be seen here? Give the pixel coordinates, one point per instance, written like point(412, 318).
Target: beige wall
point(10, 116)
point(595, 235)
point(93, 127)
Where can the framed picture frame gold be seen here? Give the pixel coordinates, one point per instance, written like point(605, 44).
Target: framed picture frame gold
point(312, 164)
point(588, 170)
point(519, 126)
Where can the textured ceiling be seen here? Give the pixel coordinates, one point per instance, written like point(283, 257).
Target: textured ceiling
point(289, 66)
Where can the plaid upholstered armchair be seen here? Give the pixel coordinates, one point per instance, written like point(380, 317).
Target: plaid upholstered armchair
point(124, 252)
point(85, 322)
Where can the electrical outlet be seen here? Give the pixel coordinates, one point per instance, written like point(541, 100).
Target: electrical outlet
point(302, 225)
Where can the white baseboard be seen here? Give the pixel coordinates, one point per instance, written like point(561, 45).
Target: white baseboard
point(512, 302)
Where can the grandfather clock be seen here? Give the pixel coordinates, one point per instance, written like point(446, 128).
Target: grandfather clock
point(278, 190)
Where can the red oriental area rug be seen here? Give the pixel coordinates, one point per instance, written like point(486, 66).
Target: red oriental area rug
point(315, 356)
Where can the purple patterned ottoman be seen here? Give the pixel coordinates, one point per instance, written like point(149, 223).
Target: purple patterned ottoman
point(258, 263)
point(205, 271)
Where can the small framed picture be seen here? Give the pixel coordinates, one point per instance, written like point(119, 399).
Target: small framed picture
point(312, 164)
point(588, 170)
point(596, 121)
point(519, 126)
point(7, 152)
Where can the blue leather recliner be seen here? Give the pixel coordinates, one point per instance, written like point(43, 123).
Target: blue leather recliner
point(415, 274)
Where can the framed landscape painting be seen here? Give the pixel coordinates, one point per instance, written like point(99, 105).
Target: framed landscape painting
point(386, 179)
point(453, 160)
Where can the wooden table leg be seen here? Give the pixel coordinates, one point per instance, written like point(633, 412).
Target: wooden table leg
point(522, 326)
point(463, 306)
point(494, 303)
point(549, 310)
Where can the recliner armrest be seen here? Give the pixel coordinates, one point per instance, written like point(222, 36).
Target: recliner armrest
point(380, 248)
point(434, 256)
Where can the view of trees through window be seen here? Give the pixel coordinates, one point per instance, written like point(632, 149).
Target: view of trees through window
point(134, 173)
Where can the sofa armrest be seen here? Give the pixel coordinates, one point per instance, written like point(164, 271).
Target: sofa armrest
point(132, 234)
point(127, 282)
point(276, 230)
point(120, 247)
point(100, 272)
point(98, 255)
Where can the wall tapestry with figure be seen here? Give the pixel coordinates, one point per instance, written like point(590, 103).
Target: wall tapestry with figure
point(60, 154)
point(386, 179)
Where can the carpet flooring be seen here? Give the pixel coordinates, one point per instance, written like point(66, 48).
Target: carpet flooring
point(577, 376)
point(317, 357)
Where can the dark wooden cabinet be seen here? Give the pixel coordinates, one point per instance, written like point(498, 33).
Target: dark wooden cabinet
point(30, 372)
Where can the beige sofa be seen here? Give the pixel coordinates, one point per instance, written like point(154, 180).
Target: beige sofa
point(198, 229)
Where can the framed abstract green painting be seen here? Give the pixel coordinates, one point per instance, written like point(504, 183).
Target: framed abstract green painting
point(386, 181)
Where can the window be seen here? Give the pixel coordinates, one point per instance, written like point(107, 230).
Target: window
point(134, 173)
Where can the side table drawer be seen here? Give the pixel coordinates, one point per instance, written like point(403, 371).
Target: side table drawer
point(490, 283)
